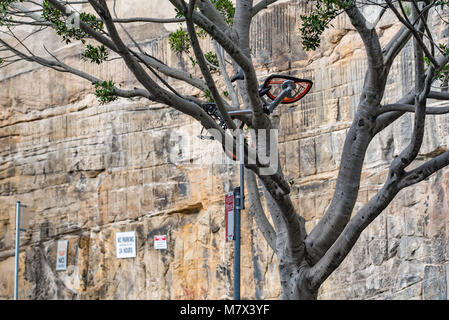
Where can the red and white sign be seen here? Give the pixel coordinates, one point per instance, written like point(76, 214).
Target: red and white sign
point(229, 216)
point(160, 242)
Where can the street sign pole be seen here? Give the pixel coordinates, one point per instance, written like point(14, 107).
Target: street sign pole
point(16, 270)
point(239, 195)
point(242, 171)
point(237, 244)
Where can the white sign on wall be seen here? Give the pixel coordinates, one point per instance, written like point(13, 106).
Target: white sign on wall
point(61, 255)
point(160, 242)
point(125, 244)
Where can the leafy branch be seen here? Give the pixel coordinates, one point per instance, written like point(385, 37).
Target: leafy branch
point(314, 24)
point(95, 54)
point(105, 92)
point(179, 40)
point(66, 27)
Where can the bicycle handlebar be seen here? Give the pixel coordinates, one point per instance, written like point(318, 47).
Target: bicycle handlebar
point(288, 86)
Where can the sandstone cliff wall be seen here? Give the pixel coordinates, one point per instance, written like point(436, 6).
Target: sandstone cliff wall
point(86, 171)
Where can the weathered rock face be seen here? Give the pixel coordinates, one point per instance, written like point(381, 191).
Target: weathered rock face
point(87, 171)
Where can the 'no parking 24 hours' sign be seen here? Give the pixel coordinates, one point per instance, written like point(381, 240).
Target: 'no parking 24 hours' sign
point(125, 244)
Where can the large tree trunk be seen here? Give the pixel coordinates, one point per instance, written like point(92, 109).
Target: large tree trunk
point(295, 284)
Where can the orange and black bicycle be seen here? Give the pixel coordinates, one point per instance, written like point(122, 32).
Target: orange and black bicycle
point(276, 89)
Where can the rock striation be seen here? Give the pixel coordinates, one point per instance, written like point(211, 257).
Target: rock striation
point(86, 171)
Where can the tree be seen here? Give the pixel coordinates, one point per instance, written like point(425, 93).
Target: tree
point(305, 260)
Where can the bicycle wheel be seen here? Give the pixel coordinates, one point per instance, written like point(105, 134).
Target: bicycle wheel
point(274, 83)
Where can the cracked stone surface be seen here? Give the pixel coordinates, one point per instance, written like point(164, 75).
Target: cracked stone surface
point(86, 171)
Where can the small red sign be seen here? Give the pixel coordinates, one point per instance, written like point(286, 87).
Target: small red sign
point(160, 242)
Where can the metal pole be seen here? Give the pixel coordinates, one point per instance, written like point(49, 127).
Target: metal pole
point(237, 244)
point(242, 170)
point(16, 270)
point(239, 195)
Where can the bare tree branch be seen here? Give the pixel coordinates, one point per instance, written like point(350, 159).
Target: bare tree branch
point(439, 95)
point(204, 68)
point(340, 249)
point(425, 170)
point(153, 62)
point(62, 67)
point(263, 4)
point(371, 41)
point(420, 42)
point(222, 64)
point(349, 235)
point(210, 12)
point(256, 210)
point(379, 17)
point(343, 245)
point(411, 108)
point(143, 19)
point(396, 44)
point(356, 143)
point(241, 59)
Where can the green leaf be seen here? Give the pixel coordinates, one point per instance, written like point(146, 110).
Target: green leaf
point(105, 92)
point(443, 74)
point(4, 5)
point(226, 8)
point(212, 58)
point(442, 3)
point(193, 61)
point(179, 41)
point(208, 95)
point(95, 54)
